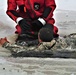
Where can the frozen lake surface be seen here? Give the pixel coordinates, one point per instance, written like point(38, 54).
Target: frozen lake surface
point(65, 21)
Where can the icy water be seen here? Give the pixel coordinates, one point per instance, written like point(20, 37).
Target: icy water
point(66, 22)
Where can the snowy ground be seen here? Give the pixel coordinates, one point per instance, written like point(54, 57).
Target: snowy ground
point(37, 66)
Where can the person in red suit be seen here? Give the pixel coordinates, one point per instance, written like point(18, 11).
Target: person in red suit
point(32, 15)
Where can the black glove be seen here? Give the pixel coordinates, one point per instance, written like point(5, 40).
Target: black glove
point(24, 26)
point(37, 24)
point(49, 26)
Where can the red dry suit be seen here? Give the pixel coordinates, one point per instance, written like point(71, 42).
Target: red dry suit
point(32, 9)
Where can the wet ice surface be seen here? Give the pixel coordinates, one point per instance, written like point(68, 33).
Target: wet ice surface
point(37, 66)
point(66, 21)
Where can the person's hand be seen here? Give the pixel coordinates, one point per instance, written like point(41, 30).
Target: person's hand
point(3, 40)
point(40, 22)
point(24, 25)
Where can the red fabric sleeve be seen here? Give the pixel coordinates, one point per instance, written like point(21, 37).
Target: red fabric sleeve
point(12, 8)
point(52, 5)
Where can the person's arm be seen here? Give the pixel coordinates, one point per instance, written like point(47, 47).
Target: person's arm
point(50, 6)
point(12, 47)
point(14, 15)
point(47, 14)
point(12, 9)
